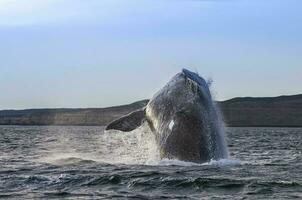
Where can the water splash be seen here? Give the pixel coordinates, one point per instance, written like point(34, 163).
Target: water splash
point(138, 147)
point(217, 163)
point(220, 133)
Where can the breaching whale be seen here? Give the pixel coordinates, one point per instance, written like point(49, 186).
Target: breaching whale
point(184, 119)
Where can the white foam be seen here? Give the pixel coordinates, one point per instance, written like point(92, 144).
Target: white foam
point(218, 163)
point(224, 162)
point(167, 162)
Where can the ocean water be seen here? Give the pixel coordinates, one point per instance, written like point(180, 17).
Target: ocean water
point(53, 162)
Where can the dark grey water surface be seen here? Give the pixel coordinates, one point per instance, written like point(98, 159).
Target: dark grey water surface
point(86, 163)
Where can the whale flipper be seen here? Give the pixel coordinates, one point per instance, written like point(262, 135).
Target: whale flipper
point(128, 122)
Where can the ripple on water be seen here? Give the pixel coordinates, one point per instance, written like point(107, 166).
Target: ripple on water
point(85, 163)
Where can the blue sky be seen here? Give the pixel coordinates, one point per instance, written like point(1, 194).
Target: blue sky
point(97, 53)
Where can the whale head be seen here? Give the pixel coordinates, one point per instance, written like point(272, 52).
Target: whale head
point(184, 119)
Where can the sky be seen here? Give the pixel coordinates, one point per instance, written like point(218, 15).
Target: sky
point(98, 53)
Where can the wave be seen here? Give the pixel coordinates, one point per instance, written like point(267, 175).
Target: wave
point(67, 159)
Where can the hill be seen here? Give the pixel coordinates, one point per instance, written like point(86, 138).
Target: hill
point(82, 116)
point(283, 111)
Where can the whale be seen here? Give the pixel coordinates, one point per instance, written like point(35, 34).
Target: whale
point(184, 119)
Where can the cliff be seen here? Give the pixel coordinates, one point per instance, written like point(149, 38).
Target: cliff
point(283, 111)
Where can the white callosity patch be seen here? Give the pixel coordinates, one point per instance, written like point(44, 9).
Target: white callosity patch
point(171, 125)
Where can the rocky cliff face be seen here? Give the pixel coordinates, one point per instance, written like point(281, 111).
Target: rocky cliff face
point(269, 111)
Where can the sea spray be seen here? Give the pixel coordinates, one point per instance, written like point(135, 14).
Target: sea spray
point(111, 147)
point(221, 139)
point(139, 147)
point(135, 147)
point(217, 119)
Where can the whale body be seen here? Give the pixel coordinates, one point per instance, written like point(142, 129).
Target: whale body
point(184, 119)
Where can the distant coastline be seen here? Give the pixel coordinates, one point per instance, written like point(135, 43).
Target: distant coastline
point(282, 111)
